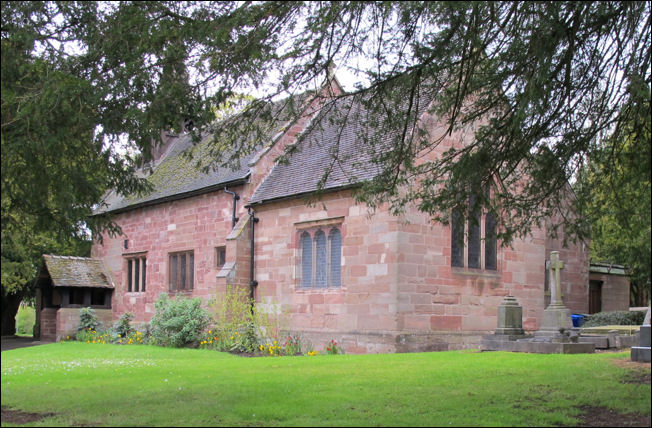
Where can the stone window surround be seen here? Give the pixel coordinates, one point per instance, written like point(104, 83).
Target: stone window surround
point(142, 257)
point(312, 226)
point(190, 275)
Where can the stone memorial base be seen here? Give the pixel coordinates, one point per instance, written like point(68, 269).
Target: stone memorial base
point(642, 353)
point(555, 318)
point(534, 345)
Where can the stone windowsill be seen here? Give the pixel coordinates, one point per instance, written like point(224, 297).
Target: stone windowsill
point(476, 272)
point(315, 290)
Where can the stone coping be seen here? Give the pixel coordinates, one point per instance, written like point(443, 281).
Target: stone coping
point(605, 329)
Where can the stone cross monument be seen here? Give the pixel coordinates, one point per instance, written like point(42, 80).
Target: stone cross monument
point(556, 316)
point(556, 266)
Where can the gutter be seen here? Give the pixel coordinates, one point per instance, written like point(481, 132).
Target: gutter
point(252, 282)
point(234, 219)
point(176, 196)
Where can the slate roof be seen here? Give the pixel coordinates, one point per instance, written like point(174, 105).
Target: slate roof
point(68, 271)
point(328, 145)
point(177, 175)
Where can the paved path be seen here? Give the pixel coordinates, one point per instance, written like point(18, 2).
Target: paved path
point(13, 342)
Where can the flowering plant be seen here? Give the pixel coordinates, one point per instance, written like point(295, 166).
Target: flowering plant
point(133, 338)
point(90, 335)
point(292, 345)
point(273, 349)
point(333, 348)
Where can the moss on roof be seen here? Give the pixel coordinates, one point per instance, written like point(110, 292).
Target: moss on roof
point(69, 271)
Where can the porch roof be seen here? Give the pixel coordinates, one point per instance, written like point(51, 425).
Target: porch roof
point(69, 271)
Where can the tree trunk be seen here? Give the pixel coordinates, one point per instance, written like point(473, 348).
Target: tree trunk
point(10, 303)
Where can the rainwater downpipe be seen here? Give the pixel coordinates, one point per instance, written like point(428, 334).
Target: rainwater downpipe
point(252, 283)
point(234, 219)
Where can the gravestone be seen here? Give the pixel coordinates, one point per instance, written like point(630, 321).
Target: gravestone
point(556, 317)
point(510, 317)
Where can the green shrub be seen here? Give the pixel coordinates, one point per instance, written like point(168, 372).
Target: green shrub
point(615, 318)
point(236, 328)
point(88, 320)
point(122, 327)
point(178, 322)
point(25, 319)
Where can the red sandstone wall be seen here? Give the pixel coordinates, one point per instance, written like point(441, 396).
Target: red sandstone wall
point(49, 325)
point(436, 298)
point(199, 223)
point(365, 304)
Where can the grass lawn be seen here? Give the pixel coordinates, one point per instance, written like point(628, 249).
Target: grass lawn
point(86, 384)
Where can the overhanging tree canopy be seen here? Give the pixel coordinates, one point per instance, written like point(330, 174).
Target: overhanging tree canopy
point(540, 82)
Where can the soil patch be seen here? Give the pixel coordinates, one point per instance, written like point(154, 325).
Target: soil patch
point(603, 417)
point(638, 373)
point(20, 418)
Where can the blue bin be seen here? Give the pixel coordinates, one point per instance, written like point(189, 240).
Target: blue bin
point(578, 320)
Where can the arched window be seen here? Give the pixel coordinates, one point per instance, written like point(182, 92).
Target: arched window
point(320, 258)
point(306, 260)
point(335, 238)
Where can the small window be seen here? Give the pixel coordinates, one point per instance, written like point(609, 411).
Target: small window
point(220, 256)
point(181, 271)
point(320, 258)
point(136, 274)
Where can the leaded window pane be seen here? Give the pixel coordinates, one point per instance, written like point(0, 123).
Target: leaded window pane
point(457, 239)
point(335, 238)
point(142, 287)
point(490, 259)
point(321, 271)
point(136, 274)
point(191, 270)
point(182, 270)
point(129, 278)
point(474, 234)
point(173, 273)
point(306, 260)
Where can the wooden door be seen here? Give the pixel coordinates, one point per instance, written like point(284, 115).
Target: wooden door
point(595, 296)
